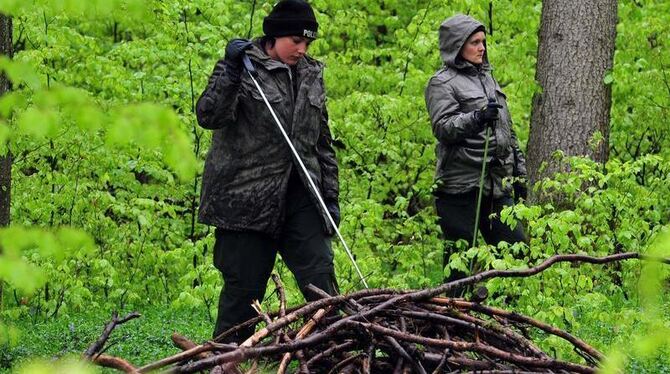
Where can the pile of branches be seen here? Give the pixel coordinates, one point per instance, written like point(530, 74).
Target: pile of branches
point(383, 331)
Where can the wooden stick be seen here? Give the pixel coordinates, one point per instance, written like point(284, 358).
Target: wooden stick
point(282, 294)
point(476, 347)
point(114, 363)
point(512, 316)
point(304, 331)
point(185, 344)
point(188, 354)
point(107, 331)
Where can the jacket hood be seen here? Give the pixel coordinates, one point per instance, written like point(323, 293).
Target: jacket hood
point(452, 35)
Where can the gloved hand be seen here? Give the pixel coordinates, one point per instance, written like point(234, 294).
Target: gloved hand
point(334, 210)
point(488, 115)
point(520, 187)
point(233, 57)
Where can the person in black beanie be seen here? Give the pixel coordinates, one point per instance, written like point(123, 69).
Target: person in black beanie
point(253, 190)
point(291, 18)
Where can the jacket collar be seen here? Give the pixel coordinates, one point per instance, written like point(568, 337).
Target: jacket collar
point(257, 53)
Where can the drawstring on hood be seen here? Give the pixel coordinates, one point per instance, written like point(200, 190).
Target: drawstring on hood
point(453, 34)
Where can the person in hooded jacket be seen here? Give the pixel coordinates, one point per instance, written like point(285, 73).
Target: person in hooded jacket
point(467, 106)
point(253, 190)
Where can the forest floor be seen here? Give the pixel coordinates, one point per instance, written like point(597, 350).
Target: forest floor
point(147, 339)
point(142, 340)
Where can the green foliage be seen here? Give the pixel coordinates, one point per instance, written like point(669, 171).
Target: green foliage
point(641, 89)
point(618, 208)
point(92, 8)
point(651, 339)
point(9, 335)
point(70, 365)
point(17, 243)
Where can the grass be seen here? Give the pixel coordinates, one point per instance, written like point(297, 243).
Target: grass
point(141, 340)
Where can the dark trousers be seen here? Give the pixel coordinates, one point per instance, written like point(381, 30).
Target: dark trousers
point(245, 259)
point(457, 220)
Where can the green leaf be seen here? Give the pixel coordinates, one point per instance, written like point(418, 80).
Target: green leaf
point(9, 335)
point(38, 123)
point(20, 72)
point(64, 365)
point(11, 102)
point(25, 277)
point(5, 134)
point(609, 78)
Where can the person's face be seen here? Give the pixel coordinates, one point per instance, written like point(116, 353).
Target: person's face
point(289, 49)
point(473, 49)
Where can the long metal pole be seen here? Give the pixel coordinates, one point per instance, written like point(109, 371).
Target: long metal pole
point(481, 187)
point(249, 69)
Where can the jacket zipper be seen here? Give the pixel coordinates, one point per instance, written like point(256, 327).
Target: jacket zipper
point(292, 94)
point(488, 169)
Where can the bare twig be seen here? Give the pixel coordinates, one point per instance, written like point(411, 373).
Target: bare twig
point(107, 331)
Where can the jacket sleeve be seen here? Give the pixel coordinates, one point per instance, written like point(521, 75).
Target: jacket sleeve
point(519, 158)
point(450, 125)
point(330, 187)
point(217, 106)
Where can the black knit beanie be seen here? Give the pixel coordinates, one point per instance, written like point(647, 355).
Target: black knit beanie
point(291, 18)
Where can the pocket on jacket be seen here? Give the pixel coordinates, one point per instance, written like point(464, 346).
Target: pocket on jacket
point(314, 112)
point(273, 96)
point(316, 100)
point(471, 100)
point(255, 111)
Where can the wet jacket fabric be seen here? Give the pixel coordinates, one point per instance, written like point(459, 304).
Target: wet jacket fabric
point(452, 96)
point(249, 164)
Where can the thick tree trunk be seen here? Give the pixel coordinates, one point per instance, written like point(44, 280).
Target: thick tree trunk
point(6, 159)
point(575, 52)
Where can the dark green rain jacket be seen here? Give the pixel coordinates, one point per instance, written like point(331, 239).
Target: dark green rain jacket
point(247, 169)
point(452, 96)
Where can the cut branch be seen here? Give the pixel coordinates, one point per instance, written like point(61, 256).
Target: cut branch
point(418, 331)
point(107, 331)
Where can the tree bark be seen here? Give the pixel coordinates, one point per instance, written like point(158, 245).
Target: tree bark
point(575, 52)
point(6, 49)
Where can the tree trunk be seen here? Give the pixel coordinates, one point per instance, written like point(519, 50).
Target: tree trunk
point(6, 159)
point(575, 52)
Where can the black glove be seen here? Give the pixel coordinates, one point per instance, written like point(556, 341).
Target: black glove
point(488, 115)
point(520, 187)
point(334, 210)
point(233, 57)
